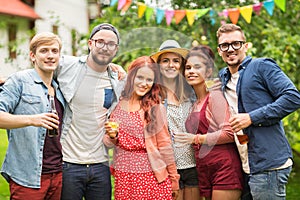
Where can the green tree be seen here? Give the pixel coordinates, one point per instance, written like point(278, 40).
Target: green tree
point(273, 36)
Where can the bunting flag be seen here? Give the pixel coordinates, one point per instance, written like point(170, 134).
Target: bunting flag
point(126, 6)
point(179, 15)
point(169, 15)
point(224, 13)
point(113, 2)
point(280, 4)
point(269, 6)
point(246, 13)
point(257, 8)
point(159, 15)
point(234, 14)
point(141, 9)
point(202, 12)
point(148, 13)
point(195, 14)
point(212, 19)
point(121, 3)
point(190, 15)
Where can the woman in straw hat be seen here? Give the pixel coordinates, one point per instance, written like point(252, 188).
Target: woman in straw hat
point(177, 100)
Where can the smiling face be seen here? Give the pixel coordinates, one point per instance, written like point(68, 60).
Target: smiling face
point(170, 65)
point(233, 58)
point(196, 71)
point(143, 81)
point(46, 57)
point(103, 56)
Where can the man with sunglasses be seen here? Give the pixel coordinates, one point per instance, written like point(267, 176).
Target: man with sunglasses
point(262, 95)
point(91, 90)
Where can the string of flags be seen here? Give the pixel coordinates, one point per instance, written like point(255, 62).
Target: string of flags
point(193, 14)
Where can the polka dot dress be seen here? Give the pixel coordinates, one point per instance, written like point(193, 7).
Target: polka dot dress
point(134, 178)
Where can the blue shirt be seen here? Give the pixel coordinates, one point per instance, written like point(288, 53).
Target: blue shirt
point(24, 93)
point(267, 95)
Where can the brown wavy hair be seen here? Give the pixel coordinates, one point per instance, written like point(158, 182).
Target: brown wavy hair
point(153, 96)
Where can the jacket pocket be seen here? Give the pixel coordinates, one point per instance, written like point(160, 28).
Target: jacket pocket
point(30, 104)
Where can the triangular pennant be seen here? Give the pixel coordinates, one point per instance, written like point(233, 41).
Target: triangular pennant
point(148, 13)
point(257, 8)
point(280, 4)
point(190, 15)
point(202, 12)
point(141, 9)
point(160, 13)
point(269, 6)
point(224, 13)
point(126, 6)
point(246, 12)
point(212, 19)
point(169, 15)
point(113, 2)
point(234, 14)
point(179, 15)
point(121, 3)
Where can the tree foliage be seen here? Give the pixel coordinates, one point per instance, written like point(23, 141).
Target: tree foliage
point(273, 36)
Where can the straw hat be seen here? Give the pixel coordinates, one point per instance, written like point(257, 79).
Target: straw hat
point(170, 46)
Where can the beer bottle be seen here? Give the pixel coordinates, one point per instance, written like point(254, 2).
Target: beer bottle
point(52, 132)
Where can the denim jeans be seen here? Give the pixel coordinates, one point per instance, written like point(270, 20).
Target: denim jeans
point(89, 181)
point(269, 185)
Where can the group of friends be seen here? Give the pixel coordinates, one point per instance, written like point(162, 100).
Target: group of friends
point(177, 137)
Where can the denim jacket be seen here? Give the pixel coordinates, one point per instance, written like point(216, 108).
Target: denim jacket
point(24, 93)
point(69, 74)
point(268, 95)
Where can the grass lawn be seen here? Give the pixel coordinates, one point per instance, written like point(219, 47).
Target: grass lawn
point(293, 191)
point(4, 191)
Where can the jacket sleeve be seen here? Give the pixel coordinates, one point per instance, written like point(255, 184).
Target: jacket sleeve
point(283, 97)
point(162, 156)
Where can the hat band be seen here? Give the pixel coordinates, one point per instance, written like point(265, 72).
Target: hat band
point(168, 47)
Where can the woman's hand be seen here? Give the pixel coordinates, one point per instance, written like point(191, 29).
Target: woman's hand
point(184, 138)
point(175, 194)
point(112, 128)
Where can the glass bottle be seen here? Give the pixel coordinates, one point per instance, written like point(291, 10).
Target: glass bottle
point(52, 132)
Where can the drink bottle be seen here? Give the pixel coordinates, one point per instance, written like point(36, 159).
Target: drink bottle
point(54, 131)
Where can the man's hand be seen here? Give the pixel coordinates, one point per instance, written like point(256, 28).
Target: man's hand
point(46, 120)
point(119, 69)
point(240, 121)
point(2, 81)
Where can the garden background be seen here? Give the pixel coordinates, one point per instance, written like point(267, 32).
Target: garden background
point(272, 32)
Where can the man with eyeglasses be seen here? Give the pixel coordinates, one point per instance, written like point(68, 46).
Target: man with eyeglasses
point(262, 95)
point(91, 90)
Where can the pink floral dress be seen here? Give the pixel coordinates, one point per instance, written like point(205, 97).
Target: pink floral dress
point(134, 178)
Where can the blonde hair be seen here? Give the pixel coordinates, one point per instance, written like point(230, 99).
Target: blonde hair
point(44, 38)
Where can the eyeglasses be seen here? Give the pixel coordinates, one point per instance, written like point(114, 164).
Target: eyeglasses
point(101, 43)
point(236, 45)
